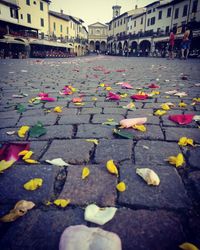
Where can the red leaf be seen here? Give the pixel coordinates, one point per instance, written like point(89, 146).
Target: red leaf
point(154, 86)
point(113, 96)
point(139, 97)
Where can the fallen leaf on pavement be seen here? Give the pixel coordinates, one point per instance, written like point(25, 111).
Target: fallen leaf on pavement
point(165, 106)
point(178, 160)
point(113, 96)
point(123, 133)
point(181, 119)
point(22, 131)
point(85, 173)
point(160, 112)
point(33, 184)
point(111, 167)
point(5, 165)
point(182, 105)
point(188, 246)
point(121, 187)
point(61, 202)
point(149, 176)
point(184, 141)
point(58, 162)
point(37, 130)
point(140, 128)
point(128, 123)
point(98, 215)
point(57, 109)
point(20, 209)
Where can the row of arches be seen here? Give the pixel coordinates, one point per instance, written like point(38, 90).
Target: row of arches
point(79, 50)
point(97, 45)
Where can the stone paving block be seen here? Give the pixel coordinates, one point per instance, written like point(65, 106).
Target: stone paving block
point(5, 137)
point(152, 133)
point(49, 119)
point(156, 153)
point(143, 229)
point(194, 179)
point(139, 194)
point(38, 147)
point(104, 117)
point(40, 229)
point(106, 104)
point(34, 112)
point(150, 118)
point(91, 111)
point(117, 149)
point(12, 182)
point(174, 134)
point(118, 110)
point(94, 131)
point(76, 151)
point(9, 114)
point(93, 189)
point(166, 122)
point(193, 156)
point(86, 105)
point(74, 119)
point(56, 132)
point(9, 122)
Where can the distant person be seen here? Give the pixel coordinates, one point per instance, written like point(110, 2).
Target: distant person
point(171, 44)
point(185, 45)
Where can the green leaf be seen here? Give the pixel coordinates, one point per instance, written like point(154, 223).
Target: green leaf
point(37, 130)
point(123, 133)
point(20, 108)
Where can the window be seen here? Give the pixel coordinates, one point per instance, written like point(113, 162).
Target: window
point(28, 2)
point(14, 13)
point(61, 28)
point(194, 6)
point(42, 22)
point(21, 16)
point(135, 23)
point(148, 22)
point(67, 30)
point(176, 13)
point(124, 20)
point(169, 11)
point(121, 22)
point(154, 9)
point(54, 26)
point(28, 18)
point(185, 10)
point(131, 27)
point(118, 23)
point(149, 11)
point(167, 29)
point(141, 22)
point(160, 14)
point(34, 2)
point(153, 20)
point(41, 6)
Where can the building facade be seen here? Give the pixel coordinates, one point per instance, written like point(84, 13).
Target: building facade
point(97, 37)
point(147, 29)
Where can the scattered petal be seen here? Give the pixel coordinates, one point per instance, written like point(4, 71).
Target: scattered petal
point(196, 118)
point(85, 173)
point(184, 141)
point(139, 97)
point(140, 128)
point(77, 100)
point(111, 167)
point(22, 131)
point(20, 209)
point(180, 94)
point(165, 106)
point(121, 187)
point(10, 132)
point(149, 176)
point(128, 123)
point(98, 215)
point(27, 155)
point(58, 162)
point(31, 161)
point(113, 96)
point(95, 141)
point(33, 184)
point(130, 106)
point(178, 160)
point(182, 105)
point(181, 119)
point(188, 246)
point(23, 152)
point(5, 165)
point(61, 202)
point(160, 112)
point(57, 109)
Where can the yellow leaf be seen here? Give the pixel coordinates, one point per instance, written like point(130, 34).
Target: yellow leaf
point(33, 184)
point(5, 165)
point(108, 88)
point(149, 176)
point(61, 202)
point(196, 99)
point(124, 95)
point(31, 161)
point(155, 92)
point(23, 152)
point(182, 105)
point(27, 155)
point(102, 84)
point(184, 141)
point(178, 160)
point(48, 203)
point(94, 99)
point(111, 167)
point(95, 141)
point(85, 173)
point(188, 246)
point(160, 112)
point(58, 109)
point(141, 128)
point(165, 106)
point(121, 187)
point(79, 103)
point(22, 131)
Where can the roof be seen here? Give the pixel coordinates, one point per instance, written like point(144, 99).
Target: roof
point(60, 15)
point(12, 3)
point(164, 3)
point(151, 4)
point(98, 24)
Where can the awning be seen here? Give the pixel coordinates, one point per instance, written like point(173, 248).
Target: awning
point(12, 41)
point(50, 43)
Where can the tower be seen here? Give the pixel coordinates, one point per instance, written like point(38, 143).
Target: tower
point(116, 11)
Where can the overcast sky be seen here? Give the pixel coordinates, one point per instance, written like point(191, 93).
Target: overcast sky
point(92, 11)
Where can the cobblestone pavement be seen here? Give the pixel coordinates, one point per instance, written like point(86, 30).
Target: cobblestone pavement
point(150, 218)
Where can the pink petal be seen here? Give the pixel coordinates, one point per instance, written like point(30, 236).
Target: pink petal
point(181, 119)
point(127, 123)
point(113, 96)
point(10, 151)
point(139, 97)
point(154, 86)
point(43, 94)
point(48, 99)
point(126, 85)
